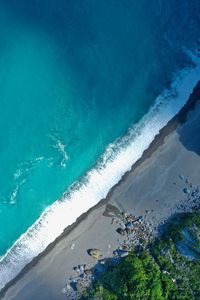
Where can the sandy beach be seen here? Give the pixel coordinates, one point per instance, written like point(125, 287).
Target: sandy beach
point(160, 184)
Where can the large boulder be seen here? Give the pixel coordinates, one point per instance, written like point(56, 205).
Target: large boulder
point(95, 253)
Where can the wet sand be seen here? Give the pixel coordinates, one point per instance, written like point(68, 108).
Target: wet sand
point(154, 189)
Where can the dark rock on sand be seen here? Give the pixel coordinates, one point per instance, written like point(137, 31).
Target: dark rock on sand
point(186, 191)
point(121, 231)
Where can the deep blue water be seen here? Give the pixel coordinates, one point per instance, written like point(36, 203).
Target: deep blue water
point(74, 75)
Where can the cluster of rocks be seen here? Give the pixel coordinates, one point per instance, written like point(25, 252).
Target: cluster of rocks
point(135, 230)
point(192, 202)
point(78, 282)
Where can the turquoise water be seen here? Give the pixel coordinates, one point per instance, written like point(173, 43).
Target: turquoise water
point(74, 76)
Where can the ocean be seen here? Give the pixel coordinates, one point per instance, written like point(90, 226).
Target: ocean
point(84, 88)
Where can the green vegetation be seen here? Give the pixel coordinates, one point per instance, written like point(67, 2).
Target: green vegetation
point(158, 272)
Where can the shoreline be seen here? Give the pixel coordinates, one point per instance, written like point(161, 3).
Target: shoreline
point(159, 139)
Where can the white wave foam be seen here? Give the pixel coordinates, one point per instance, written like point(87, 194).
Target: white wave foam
point(15, 192)
point(118, 158)
point(60, 146)
point(21, 175)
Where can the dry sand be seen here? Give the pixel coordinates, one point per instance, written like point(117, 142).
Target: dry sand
point(153, 185)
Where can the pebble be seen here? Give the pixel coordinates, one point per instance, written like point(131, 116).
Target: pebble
point(72, 246)
point(181, 177)
point(81, 268)
point(113, 221)
point(68, 287)
point(75, 269)
point(102, 261)
point(123, 226)
point(129, 226)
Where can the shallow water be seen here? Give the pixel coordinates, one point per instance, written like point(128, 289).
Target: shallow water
point(74, 76)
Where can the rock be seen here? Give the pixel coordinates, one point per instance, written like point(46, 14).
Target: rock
point(129, 226)
point(95, 253)
point(123, 226)
point(181, 177)
point(113, 221)
point(128, 231)
point(124, 214)
point(166, 272)
point(88, 272)
point(121, 231)
point(102, 261)
point(125, 247)
point(68, 287)
point(124, 254)
point(87, 267)
point(186, 191)
point(72, 246)
point(81, 268)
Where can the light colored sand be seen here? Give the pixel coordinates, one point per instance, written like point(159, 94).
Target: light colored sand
point(157, 178)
